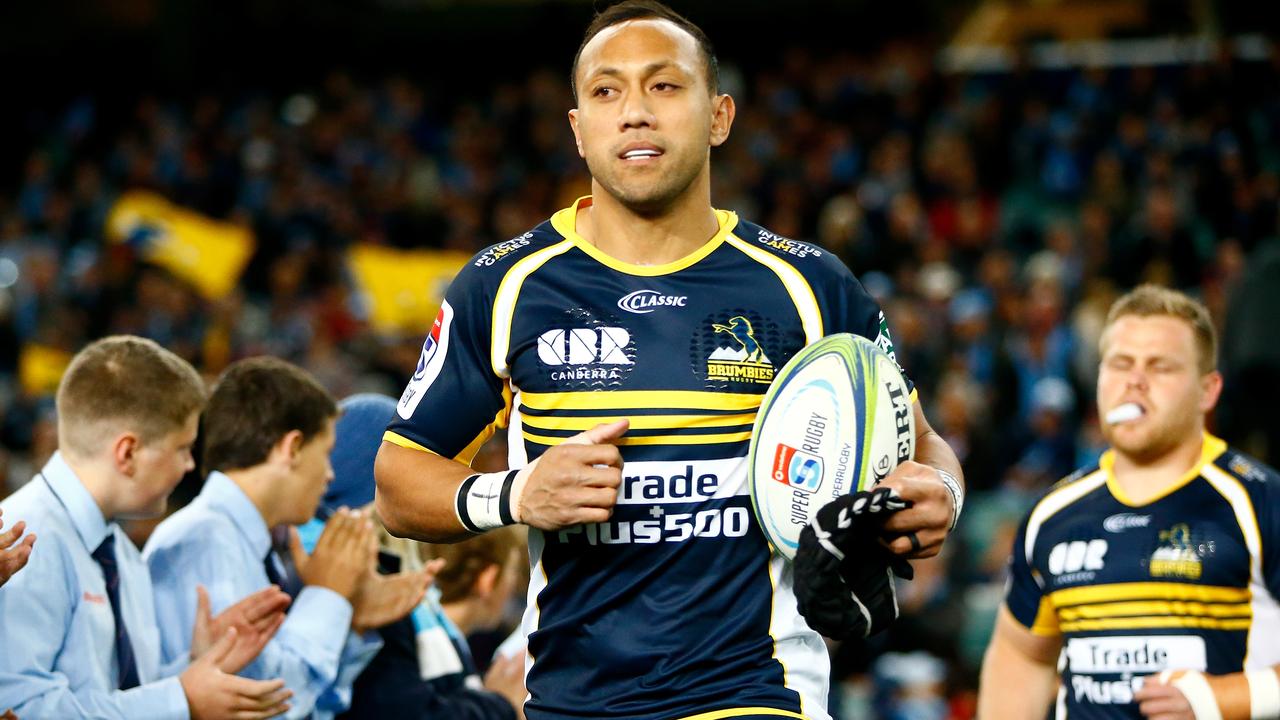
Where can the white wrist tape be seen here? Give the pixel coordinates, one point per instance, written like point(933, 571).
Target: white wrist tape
point(1264, 694)
point(957, 495)
point(484, 501)
point(1195, 688)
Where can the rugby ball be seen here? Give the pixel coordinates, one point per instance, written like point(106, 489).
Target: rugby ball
point(837, 419)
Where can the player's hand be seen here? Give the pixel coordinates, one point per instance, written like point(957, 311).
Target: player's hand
point(928, 519)
point(843, 582)
point(506, 678)
point(1161, 701)
point(384, 599)
point(213, 694)
point(344, 554)
point(14, 554)
point(256, 619)
point(574, 482)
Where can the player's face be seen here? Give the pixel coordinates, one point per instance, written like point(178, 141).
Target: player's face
point(312, 473)
point(1152, 361)
point(646, 119)
point(158, 468)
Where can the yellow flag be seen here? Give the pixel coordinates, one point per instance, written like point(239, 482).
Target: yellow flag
point(40, 368)
point(209, 254)
point(403, 288)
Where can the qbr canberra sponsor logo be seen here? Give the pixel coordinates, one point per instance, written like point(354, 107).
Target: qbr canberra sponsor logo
point(1077, 560)
point(1120, 522)
point(596, 353)
point(742, 359)
point(646, 301)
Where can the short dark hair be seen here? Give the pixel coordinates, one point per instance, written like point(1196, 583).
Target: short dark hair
point(644, 10)
point(256, 402)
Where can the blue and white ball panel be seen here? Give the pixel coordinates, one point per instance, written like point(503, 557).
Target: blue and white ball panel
point(837, 419)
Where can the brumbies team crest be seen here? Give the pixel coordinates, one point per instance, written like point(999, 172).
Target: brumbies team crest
point(732, 350)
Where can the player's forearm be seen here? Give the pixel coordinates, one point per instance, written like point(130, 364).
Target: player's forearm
point(1233, 694)
point(416, 494)
point(933, 451)
point(1014, 686)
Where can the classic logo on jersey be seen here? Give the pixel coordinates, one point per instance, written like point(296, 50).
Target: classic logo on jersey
point(501, 250)
point(740, 358)
point(430, 362)
point(642, 302)
point(1076, 561)
point(1120, 522)
point(786, 245)
point(1178, 557)
point(797, 468)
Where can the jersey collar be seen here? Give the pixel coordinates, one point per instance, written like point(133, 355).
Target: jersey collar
point(1210, 449)
point(565, 222)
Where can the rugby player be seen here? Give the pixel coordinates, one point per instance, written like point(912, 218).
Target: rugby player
point(640, 325)
point(1146, 584)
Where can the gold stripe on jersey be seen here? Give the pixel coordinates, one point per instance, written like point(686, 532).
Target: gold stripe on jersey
point(714, 439)
point(639, 422)
point(565, 222)
point(1156, 607)
point(1210, 449)
point(404, 442)
point(504, 302)
point(1046, 622)
point(739, 712)
point(468, 453)
point(641, 399)
point(797, 287)
point(1117, 592)
point(1053, 503)
point(1157, 621)
point(1234, 492)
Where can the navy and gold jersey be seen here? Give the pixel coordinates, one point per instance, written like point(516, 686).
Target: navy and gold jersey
point(1188, 580)
point(674, 608)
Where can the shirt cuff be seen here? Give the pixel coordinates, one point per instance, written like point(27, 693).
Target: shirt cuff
point(317, 611)
point(162, 700)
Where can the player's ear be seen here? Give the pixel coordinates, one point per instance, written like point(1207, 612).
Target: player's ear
point(286, 449)
point(1210, 390)
point(577, 136)
point(723, 111)
point(486, 581)
point(124, 452)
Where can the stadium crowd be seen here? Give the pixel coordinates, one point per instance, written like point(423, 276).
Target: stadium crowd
point(995, 217)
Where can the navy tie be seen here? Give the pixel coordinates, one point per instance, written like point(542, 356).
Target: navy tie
point(125, 664)
point(289, 581)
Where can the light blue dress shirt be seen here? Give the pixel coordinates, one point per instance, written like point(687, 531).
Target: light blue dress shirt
point(220, 541)
point(57, 633)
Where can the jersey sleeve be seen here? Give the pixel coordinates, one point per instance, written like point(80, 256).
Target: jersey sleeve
point(850, 308)
point(1024, 595)
point(1269, 527)
point(454, 401)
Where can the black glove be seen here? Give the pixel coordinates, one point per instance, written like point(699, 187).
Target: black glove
point(843, 576)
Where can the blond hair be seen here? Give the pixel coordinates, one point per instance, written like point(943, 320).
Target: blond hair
point(120, 383)
point(1152, 300)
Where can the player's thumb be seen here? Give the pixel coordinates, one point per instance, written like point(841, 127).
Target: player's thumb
point(602, 433)
point(221, 649)
point(204, 615)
